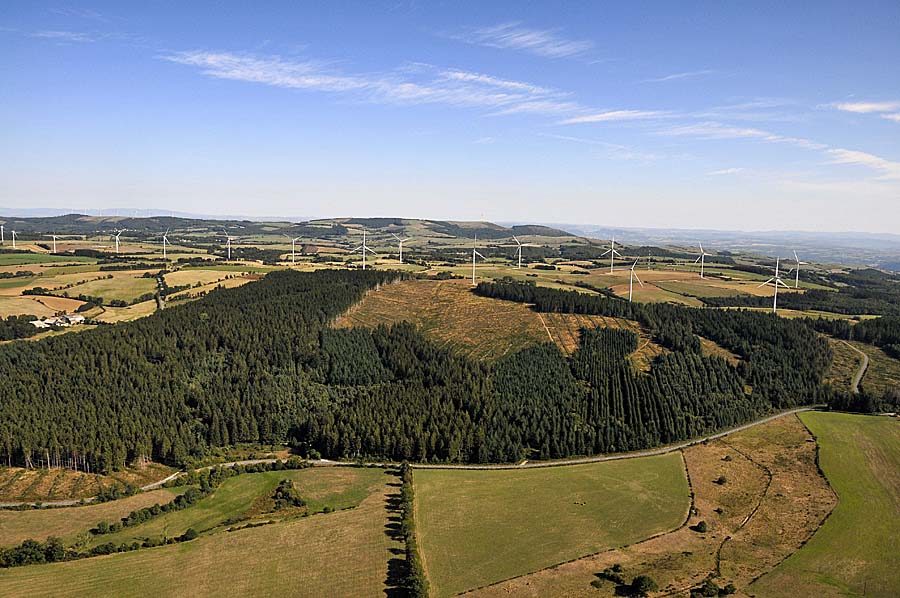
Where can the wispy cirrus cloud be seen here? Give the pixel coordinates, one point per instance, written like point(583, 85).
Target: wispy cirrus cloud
point(716, 130)
point(413, 84)
point(894, 117)
point(682, 76)
point(613, 151)
point(616, 115)
point(867, 107)
point(66, 36)
point(889, 170)
point(725, 172)
point(546, 43)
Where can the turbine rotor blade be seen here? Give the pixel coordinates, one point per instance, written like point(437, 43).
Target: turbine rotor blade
point(765, 283)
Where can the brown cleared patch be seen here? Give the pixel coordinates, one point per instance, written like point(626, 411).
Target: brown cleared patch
point(450, 313)
point(566, 332)
point(711, 348)
point(33, 485)
point(791, 499)
point(844, 365)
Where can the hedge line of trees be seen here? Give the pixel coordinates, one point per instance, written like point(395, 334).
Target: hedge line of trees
point(416, 582)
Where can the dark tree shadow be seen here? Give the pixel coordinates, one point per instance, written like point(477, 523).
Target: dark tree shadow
point(397, 570)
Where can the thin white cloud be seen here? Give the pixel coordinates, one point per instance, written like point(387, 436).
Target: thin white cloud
point(468, 77)
point(894, 117)
point(513, 36)
point(867, 107)
point(681, 76)
point(614, 151)
point(889, 170)
point(484, 141)
point(65, 36)
point(410, 85)
point(615, 115)
point(715, 130)
point(725, 171)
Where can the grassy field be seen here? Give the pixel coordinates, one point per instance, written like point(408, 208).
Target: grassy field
point(773, 500)
point(450, 313)
point(857, 551)
point(17, 484)
point(346, 553)
point(246, 496)
point(12, 259)
point(480, 527)
point(67, 522)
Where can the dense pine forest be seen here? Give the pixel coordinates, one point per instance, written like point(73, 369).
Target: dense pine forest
point(261, 363)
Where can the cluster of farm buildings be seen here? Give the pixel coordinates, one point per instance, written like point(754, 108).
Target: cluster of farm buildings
point(63, 321)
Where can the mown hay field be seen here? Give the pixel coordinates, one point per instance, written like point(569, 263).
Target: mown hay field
point(480, 527)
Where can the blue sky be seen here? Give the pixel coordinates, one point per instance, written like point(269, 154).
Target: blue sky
point(690, 115)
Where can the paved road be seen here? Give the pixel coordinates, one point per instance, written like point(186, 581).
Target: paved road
point(522, 465)
point(857, 378)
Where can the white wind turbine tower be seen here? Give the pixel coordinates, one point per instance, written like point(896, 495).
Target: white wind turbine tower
point(293, 248)
point(612, 253)
point(701, 259)
point(400, 241)
point(14, 239)
point(363, 249)
point(227, 243)
point(165, 238)
point(797, 275)
point(631, 280)
point(118, 233)
point(54, 241)
point(474, 254)
point(775, 280)
point(2, 236)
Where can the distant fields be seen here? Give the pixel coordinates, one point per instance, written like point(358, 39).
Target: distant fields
point(480, 527)
point(857, 551)
point(883, 371)
point(345, 553)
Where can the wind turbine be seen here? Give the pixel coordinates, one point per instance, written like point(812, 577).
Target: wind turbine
point(519, 246)
point(363, 249)
point(14, 239)
point(227, 243)
point(293, 248)
point(631, 280)
point(474, 254)
point(797, 275)
point(400, 241)
point(612, 253)
point(2, 236)
point(701, 259)
point(117, 239)
point(165, 241)
point(775, 280)
point(54, 241)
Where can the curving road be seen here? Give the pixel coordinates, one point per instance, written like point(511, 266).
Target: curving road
point(857, 378)
point(523, 465)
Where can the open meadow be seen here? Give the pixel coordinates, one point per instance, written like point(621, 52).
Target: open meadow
point(759, 496)
point(350, 552)
point(857, 550)
point(477, 528)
